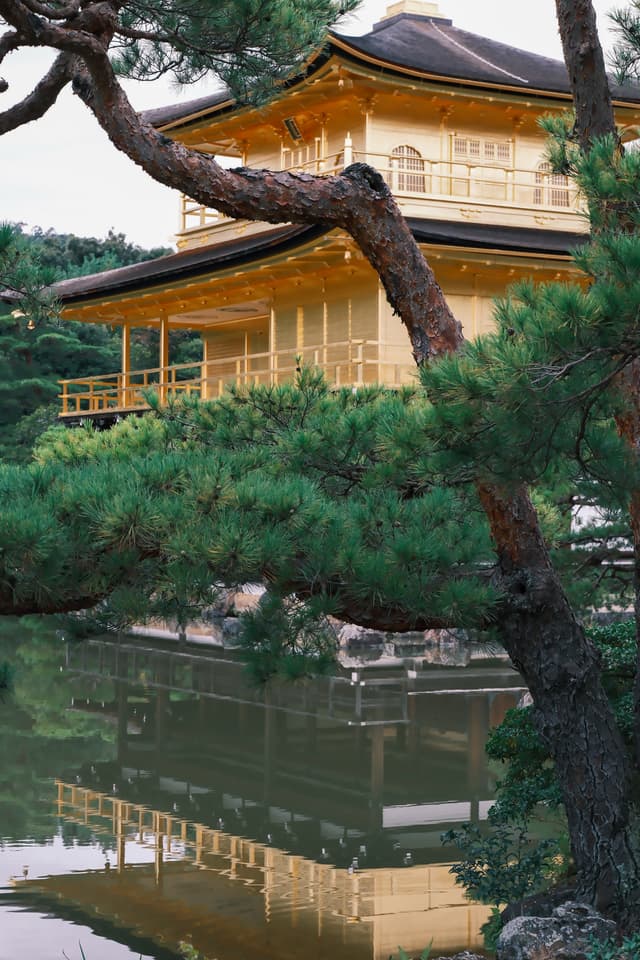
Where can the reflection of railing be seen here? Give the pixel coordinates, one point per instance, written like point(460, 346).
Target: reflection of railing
point(471, 179)
point(348, 362)
point(268, 899)
point(351, 701)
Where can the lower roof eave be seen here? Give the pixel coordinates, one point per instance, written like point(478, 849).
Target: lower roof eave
point(257, 249)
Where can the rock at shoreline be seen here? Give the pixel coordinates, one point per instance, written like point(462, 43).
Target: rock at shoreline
point(465, 955)
point(565, 935)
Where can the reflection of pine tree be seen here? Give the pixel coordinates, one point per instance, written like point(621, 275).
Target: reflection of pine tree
point(39, 736)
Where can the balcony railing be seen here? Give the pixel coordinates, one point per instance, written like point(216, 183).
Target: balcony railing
point(472, 180)
point(344, 363)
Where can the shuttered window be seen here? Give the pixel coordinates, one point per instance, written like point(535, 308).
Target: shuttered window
point(474, 148)
point(408, 168)
point(551, 189)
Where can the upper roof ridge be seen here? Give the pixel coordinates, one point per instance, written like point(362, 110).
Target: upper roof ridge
point(413, 9)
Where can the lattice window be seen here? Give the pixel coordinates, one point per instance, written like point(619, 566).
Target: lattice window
point(551, 189)
point(408, 166)
point(493, 151)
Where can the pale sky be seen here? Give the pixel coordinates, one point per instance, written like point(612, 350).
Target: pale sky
point(62, 171)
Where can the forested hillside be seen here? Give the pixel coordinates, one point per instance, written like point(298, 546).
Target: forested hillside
point(34, 357)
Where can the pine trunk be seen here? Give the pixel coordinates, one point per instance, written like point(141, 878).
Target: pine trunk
point(629, 427)
point(561, 668)
point(540, 632)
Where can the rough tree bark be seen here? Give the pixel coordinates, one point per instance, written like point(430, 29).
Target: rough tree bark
point(540, 632)
point(561, 667)
point(629, 426)
point(595, 118)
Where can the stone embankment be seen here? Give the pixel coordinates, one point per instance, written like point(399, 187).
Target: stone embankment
point(568, 933)
point(221, 626)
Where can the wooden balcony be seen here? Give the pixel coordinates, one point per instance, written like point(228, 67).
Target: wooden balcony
point(345, 363)
point(519, 194)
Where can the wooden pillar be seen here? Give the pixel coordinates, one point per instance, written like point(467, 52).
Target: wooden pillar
point(121, 838)
point(164, 356)
point(204, 388)
point(478, 728)
point(377, 761)
point(122, 700)
point(269, 747)
point(376, 788)
point(126, 365)
point(159, 857)
point(273, 356)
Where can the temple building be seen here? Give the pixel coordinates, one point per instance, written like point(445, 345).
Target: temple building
point(449, 118)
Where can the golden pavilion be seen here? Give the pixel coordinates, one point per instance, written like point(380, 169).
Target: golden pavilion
point(448, 117)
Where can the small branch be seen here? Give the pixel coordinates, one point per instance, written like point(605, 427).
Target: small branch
point(42, 97)
point(53, 13)
point(81, 40)
point(133, 33)
point(8, 42)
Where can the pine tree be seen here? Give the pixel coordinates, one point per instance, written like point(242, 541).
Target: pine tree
point(37, 350)
point(120, 533)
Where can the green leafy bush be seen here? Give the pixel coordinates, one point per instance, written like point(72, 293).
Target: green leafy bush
point(502, 865)
point(629, 949)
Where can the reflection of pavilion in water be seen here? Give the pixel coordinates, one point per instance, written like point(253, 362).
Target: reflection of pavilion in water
point(368, 752)
point(238, 897)
point(308, 816)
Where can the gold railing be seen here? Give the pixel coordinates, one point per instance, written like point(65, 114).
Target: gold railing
point(344, 363)
point(471, 179)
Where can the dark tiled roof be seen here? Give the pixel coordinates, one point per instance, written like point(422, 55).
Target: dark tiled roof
point(162, 115)
point(220, 256)
point(434, 47)
point(506, 239)
point(184, 264)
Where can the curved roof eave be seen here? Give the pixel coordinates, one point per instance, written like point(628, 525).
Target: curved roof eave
point(185, 264)
point(423, 48)
point(141, 278)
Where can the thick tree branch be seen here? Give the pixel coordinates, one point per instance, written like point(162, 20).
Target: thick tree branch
point(41, 98)
point(8, 42)
point(91, 34)
point(358, 201)
point(595, 118)
point(10, 607)
point(587, 74)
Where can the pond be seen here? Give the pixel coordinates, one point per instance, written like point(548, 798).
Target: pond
point(150, 795)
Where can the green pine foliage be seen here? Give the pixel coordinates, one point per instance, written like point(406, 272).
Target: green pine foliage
point(251, 45)
point(289, 485)
point(37, 349)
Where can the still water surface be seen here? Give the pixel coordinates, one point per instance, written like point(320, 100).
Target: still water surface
point(149, 795)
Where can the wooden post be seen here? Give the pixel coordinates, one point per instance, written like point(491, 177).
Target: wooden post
point(273, 356)
point(204, 372)
point(126, 365)
point(360, 363)
point(348, 150)
point(376, 795)
point(477, 729)
point(164, 356)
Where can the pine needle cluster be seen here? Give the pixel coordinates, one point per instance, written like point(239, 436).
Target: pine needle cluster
point(251, 45)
